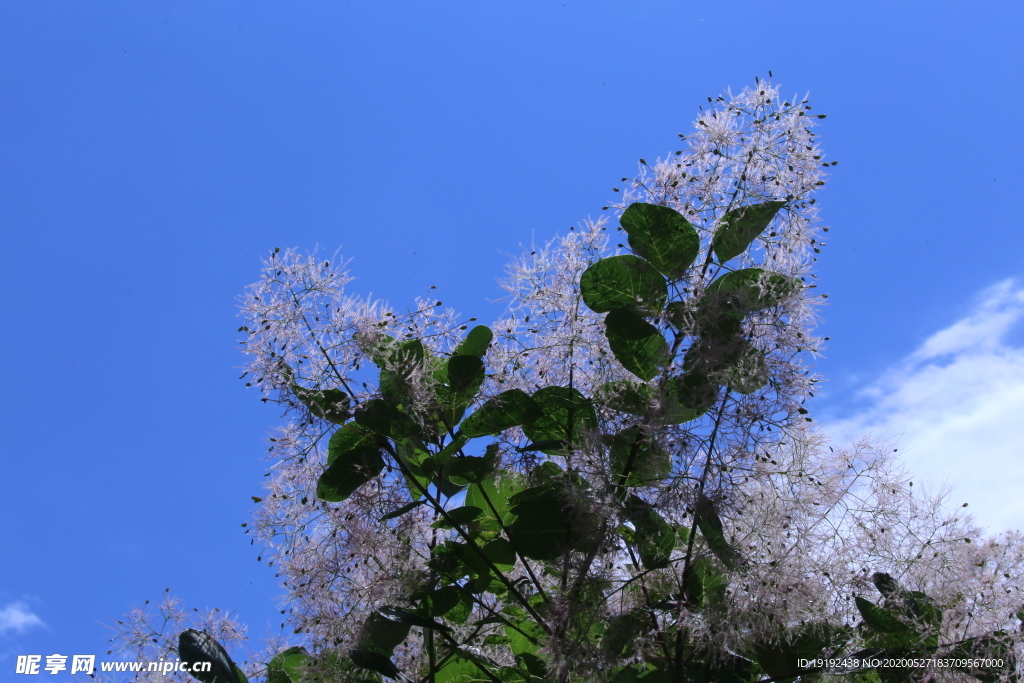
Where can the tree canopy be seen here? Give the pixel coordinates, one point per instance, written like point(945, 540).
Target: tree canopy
point(619, 480)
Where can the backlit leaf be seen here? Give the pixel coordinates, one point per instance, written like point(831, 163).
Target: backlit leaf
point(661, 236)
point(740, 227)
point(623, 281)
point(637, 344)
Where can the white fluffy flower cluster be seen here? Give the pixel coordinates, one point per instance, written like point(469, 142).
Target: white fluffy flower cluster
point(809, 525)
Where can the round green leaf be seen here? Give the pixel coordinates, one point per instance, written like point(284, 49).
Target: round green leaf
point(506, 410)
point(662, 236)
point(476, 342)
point(636, 455)
point(384, 418)
point(620, 281)
point(443, 600)
point(620, 638)
point(636, 343)
point(349, 471)
point(500, 552)
point(349, 437)
point(750, 289)
point(541, 528)
point(286, 667)
point(329, 404)
point(686, 398)
point(748, 374)
point(465, 374)
point(374, 661)
point(565, 413)
point(627, 397)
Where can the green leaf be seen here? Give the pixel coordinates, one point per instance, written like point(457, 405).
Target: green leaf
point(542, 529)
point(703, 584)
point(469, 561)
point(475, 343)
point(381, 635)
point(374, 661)
point(348, 438)
point(398, 361)
point(710, 525)
point(465, 374)
point(524, 633)
point(497, 493)
point(199, 646)
point(472, 469)
point(443, 600)
point(747, 374)
point(619, 639)
point(349, 471)
point(636, 343)
point(565, 414)
point(388, 351)
point(402, 616)
point(420, 467)
point(654, 536)
point(286, 666)
point(662, 236)
point(500, 552)
point(447, 487)
point(330, 404)
point(750, 289)
point(460, 613)
point(461, 516)
point(384, 418)
point(461, 669)
point(780, 659)
point(532, 665)
point(445, 454)
point(627, 397)
point(687, 397)
point(402, 510)
point(722, 354)
point(506, 410)
point(634, 451)
point(914, 606)
point(623, 281)
point(740, 227)
point(878, 619)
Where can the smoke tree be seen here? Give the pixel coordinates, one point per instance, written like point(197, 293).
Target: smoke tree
point(619, 480)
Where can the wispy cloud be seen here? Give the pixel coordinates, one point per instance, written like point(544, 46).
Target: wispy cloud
point(18, 617)
point(956, 407)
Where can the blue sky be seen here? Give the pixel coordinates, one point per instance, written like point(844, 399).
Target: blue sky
point(150, 153)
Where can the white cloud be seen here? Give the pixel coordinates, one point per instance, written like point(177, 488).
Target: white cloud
point(18, 617)
point(956, 407)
